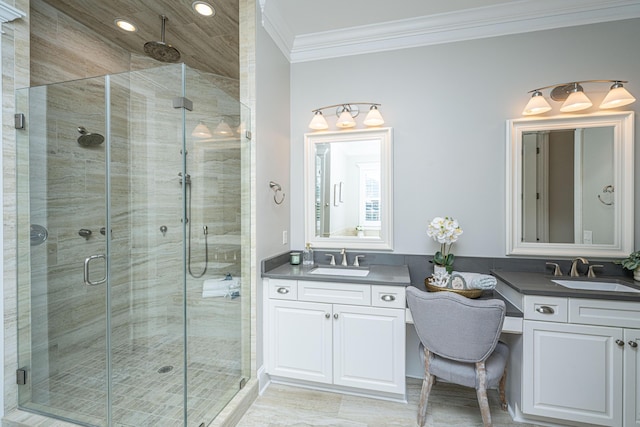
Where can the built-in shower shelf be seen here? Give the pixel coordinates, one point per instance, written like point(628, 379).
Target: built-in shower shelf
point(224, 239)
point(220, 265)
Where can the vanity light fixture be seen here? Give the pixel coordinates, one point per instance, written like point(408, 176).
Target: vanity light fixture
point(346, 114)
point(125, 25)
point(201, 131)
point(575, 99)
point(223, 129)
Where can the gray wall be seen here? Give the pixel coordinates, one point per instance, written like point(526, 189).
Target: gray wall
point(448, 105)
point(272, 124)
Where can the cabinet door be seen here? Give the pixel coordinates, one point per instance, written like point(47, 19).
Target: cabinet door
point(300, 340)
point(369, 348)
point(573, 372)
point(632, 378)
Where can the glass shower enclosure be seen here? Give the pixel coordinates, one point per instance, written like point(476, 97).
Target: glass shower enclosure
point(133, 248)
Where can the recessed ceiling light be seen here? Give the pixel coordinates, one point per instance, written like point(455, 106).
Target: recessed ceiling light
point(203, 8)
point(125, 25)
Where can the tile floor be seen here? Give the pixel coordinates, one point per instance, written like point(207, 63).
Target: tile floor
point(449, 406)
point(144, 394)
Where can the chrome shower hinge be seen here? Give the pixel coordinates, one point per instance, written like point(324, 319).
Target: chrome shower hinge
point(243, 382)
point(18, 121)
point(21, 376)
point(247, 134)
point(182, 102)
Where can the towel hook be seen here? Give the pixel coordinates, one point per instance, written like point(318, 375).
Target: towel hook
point(606, 189)
point(276, 188)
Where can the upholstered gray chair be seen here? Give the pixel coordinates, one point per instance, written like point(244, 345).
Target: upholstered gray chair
point(459, 344)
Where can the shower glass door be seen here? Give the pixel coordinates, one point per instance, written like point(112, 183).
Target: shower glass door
point(133, 279)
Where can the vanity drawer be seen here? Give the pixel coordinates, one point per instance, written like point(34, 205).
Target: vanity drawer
point(334, 293)
point(549, 309)
point(604, 312)
point(283, 289)
point(388, 296)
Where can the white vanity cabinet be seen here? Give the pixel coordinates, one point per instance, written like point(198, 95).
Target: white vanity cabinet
point(580, 360)
point(347, 336)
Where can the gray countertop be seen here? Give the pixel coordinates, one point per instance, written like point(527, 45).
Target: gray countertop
point(541, 284)
point(378, 274)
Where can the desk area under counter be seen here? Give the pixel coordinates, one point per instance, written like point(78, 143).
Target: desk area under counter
point(346, 334)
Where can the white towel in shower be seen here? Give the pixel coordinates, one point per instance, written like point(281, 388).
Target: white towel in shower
point(224, 287)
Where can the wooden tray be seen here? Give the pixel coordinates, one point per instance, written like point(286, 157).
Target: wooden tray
point(469, 293)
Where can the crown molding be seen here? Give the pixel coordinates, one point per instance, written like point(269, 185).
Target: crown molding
point(277, 28)
point(497, 20)
point(8, 13)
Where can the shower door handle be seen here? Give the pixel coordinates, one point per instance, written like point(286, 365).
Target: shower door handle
point(88, 281)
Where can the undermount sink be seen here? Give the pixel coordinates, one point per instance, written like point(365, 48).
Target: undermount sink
point(587, 285)
point(337, 271)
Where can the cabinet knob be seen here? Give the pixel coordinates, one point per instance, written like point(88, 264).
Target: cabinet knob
point(633, 344)
point(388, 298)
point(327, 315)
point(283, 291)
point(620, 343)
point(545, 309)
point(335, 316)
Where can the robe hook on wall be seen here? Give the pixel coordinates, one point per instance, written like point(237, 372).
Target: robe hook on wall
point(276, 189)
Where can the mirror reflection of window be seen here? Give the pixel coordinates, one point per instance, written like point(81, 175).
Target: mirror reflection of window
point(563, 173)
point(369, 206)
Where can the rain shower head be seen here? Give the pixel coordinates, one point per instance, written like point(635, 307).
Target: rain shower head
point(87, 139)
point(162, 51)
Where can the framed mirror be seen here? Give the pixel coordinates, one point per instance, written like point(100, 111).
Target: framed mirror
point(349, 189)
point(570, 185)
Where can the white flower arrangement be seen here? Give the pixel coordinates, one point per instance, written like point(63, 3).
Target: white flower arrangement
point(444, 231)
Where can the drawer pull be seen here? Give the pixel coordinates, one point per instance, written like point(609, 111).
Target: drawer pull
point(327, 315)
point(545, 309)
point(388, 298)
point(283, 291)
point(633, 344)
point(335, 316)
point(620, 343)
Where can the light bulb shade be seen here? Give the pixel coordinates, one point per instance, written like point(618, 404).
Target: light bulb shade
point(536, 105)
point(617, 97)
point(374, 118)
point(345, 120)
point(577, 101)
point(318, 122)
point(201, 131)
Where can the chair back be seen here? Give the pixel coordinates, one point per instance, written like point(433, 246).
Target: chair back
point(456, 327)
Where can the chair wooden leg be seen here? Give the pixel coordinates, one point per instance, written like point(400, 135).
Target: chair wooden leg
point(481, 392)
point(427, 383)
point(501, 388)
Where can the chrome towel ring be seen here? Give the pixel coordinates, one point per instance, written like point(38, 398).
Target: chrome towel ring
point(276, 189)
point(607, 189)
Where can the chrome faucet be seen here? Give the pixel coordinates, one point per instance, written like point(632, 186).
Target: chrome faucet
point(343, 252)
point(574, 266)
point(556, 268)
point(592, 273)
point(356, 262)
point(332, 259)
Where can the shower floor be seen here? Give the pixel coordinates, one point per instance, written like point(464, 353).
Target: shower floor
point(148, 378)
